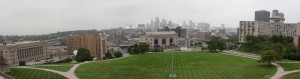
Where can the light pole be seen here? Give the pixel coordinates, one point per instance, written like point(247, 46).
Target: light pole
point(173, 75)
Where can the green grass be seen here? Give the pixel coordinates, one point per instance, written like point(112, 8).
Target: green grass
point(292, 76)
point(188, 65)
point(62, 63)
point(63, 68)
point(290, 66)
point(20, 73)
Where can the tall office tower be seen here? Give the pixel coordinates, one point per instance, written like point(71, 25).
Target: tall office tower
point(277, 17)
point(96, 43)
point(184, 24)
point(143, 26)
point(281, 15)
point(170, 23)
point(156, 23)
point(194, 24)
point(203, 26)
point(275, 13)
point(151, 25)
point(190, 23)
point(262, 15)
point(163, 23)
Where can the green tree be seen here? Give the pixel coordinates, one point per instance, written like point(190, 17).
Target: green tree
point(144, 47)
point(216, 43)
point(140, 48)
point(135, 49)
point(118, 54)
point(83, 54)
point(269, 56)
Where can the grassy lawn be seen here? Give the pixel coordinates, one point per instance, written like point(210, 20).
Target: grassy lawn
point(62, 63)
point(20, 73)
point(290, 66)
point(63, 68)
point(188, 65)
point(292, 76)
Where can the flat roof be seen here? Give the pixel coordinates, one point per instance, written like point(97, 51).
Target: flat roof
point(23, 42)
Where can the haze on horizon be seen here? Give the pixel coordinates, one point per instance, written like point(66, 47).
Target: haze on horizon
point(26, 17)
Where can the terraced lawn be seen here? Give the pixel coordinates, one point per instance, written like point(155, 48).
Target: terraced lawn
point(290, 66)
point(292, 76)
point(20, 73)
point(63, 68)
point(188, 65)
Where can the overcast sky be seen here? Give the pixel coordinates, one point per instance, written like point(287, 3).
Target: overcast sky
point(23, 17)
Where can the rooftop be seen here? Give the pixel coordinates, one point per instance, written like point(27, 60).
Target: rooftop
point(23, 42)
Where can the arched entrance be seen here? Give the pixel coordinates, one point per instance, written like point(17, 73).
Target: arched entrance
point(164, 42)
point(155, 42)
point(171, 42)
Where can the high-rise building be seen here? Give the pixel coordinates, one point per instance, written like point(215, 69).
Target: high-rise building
point(203, 26)
point(170, 23)
point(96, 43)
point(190, 23)
point(275, 26)
point(184, 24)
point(143, 26)
point(156, 23)
point(262, 15)
point(163, 23)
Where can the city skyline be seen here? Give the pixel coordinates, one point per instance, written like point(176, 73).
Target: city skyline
point(43, 17)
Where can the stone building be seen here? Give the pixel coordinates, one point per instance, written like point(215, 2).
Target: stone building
point(181, 32)
point(162, 39)
point(59, 52)
point(96, 43)
point(276, 26)
point(28, 51)
point(203, 35)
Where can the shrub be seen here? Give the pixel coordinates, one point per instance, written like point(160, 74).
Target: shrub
point(118, 54)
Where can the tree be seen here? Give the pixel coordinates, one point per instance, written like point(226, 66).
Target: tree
point(140, 48)
point(83, 54)
point(221, 44)
point(269, 56)
point(216, 43)
point(135, 49)
point(118, 54)
point(144, 47)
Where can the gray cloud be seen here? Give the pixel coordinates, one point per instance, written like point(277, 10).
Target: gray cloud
point(21, 17)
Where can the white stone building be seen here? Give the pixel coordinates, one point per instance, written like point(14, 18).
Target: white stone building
point(162, 39)
point(29, 51)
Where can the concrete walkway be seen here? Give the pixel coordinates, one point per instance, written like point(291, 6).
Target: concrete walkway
point(69, 74)
point(280, 71)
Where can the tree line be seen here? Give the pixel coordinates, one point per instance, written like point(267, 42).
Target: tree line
point(281, 46)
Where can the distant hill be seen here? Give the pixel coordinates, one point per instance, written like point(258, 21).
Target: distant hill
point(16, 38)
